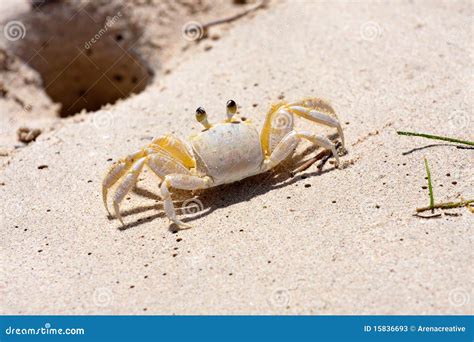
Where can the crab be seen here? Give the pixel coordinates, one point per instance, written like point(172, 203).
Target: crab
point(221, 153)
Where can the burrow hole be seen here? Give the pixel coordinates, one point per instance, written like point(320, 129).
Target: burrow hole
point(86, 56)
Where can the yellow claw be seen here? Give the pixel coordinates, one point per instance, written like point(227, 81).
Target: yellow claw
point(267, 127)
point(175, 147)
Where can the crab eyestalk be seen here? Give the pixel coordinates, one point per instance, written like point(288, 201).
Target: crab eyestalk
point(231, 109)
point(201, 117)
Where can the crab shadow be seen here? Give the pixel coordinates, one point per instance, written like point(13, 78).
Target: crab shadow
point(205, 202)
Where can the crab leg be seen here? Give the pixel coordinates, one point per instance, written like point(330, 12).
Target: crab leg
point(160, 164)
point(322, 141)
point(129, 181)
point(288, 144)
point(116, 172)
point(319, 111)
point(168, 151)
point(183, 182)
point(284, 148)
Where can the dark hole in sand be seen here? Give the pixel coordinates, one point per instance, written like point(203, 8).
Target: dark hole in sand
point(84, 55)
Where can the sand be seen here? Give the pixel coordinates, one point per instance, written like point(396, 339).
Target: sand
point(330, 242)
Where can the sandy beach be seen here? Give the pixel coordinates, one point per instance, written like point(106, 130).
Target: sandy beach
point(335, 241)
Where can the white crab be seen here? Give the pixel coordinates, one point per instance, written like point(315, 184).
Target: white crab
point(222, 153)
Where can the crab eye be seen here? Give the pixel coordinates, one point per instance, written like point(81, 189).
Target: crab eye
point(200, 114)
point(201, 117)
point(231, 106)
point(231, 109)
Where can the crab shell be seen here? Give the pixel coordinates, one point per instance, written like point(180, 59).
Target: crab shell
point(228, 152)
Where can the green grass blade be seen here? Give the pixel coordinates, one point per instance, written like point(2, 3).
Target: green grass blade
point(436, 137)
point(430, 186)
